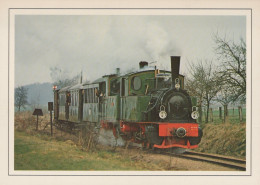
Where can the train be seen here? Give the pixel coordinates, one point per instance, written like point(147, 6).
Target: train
point(149, 107)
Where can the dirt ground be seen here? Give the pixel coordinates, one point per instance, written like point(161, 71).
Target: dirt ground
point(169, 163)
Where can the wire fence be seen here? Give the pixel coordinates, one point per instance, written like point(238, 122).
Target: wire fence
point(220, 115)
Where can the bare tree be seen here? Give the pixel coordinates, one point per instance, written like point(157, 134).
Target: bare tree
point(20, 97)
point(203, 83)
point(193, 87)
point(225, 94)
point(225, 97)
point(233, 66)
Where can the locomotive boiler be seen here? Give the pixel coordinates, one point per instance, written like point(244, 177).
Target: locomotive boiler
point(149, 106)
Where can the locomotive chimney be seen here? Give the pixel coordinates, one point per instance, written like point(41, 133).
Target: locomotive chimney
point(143, 64)
point(118, 71)
point(175, 67)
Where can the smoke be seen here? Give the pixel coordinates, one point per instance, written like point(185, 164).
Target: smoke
point(141, 39)
point(95, 45)
point(159, 45)
point(157, 42)
point(106, 137)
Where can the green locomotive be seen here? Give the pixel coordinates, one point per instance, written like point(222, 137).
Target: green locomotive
point(149, 106)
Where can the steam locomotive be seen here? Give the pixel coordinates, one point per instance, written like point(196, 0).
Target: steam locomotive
point(149, 106)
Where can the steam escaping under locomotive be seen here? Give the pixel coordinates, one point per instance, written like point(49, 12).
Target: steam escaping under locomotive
point(149, 107)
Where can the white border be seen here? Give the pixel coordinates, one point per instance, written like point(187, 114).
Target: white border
point(189, 12)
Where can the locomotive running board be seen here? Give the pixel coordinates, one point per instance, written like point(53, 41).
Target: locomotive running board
point(163, 145)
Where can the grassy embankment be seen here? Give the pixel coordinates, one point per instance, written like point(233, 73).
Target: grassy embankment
point(37, 150)
point(225, 139)
point(43, 153)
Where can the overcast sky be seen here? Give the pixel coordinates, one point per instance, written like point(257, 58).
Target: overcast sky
point(98, 44)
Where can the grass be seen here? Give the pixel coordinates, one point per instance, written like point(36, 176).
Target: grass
point(224, 139)
point(35, 153)
point(36, 150)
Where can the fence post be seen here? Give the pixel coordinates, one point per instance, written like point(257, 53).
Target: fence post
point(225, 114)
point(211, 115)
point(240, 114)
point(220, 113)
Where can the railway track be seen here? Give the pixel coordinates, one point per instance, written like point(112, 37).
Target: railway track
point(229, 162)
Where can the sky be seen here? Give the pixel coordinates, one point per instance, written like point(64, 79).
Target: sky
point(98, 44)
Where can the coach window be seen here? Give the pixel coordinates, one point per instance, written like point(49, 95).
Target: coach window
point(68, 99)
point(76, 98)
point(89, 95)
point(102, 87)
point(136, 83)
point(95, 95)
point(114, 87)
point(122, 87)
point(86, 95)
point(72, 99)
point(62, 100)
point(92, 95)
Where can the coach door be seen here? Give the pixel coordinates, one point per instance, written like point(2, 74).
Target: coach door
point(80, 105)
point(102, 103)
point(68, 101)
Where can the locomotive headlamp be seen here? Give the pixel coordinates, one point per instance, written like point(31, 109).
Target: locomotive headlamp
point(195, 114)
point(162, 113)
point(177, 83)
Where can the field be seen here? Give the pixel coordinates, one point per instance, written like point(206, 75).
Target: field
point(233, 116)
point(37, 150)
point(43, 153)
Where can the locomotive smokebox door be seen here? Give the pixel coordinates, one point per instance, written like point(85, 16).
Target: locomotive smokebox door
point(50, 106)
